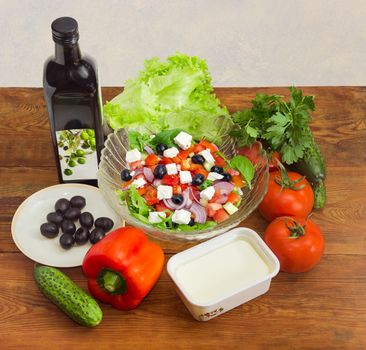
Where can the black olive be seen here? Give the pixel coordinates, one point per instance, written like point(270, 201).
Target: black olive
point(104, 223)
point(81, 235)
point(68, 227)
point(66, 241)
point(55, 217)
point(160, 148)
point(226, 177)
point(174, 225)
point(126, 175)
point(49, 230)
point(198, 159)
point(217, 169)
point(177, 199)
point(191, 222)
point(86, 220)
point(160, 171)
point(72, 214)
point(78, 202)
point(96, 235)
point(62, 205)
point(198, 180)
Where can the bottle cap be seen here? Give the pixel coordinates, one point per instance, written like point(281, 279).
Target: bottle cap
point(65, 30)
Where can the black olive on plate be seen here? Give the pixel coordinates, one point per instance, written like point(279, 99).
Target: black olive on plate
point(160, 148)
point(177, 199)
point(66, 241)
point(81, 235)
point(49, 230)
point(55, 218)
point(96, 235)
point(126, 175)
point(62, 205)
point(198, 159)
point(198, 180)
point(160, 171)
point(226, 177)
point(72, 214)
point(78, 202)
point(86, 220)
point(104, 223)
point(191, 222)
point(217, 169)
point(68, 227)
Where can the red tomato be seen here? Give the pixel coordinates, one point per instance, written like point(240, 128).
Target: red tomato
point(141, 191)
point(221, 215)
point(151, 195)
point(212, 208)
point(293, 199)
point(273, 159)
point(135, 165)
point(202, 171)
point(206, 144)
point(219, 161)
point(233, 197)
point(170, 180)
point(166, 161)
point(185, 153)
point(151, 160)
point(162, 207)
point(197, 148)
point(253, 152)
point(298, 244)
point(216, 196)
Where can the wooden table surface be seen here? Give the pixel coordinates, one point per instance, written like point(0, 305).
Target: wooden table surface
point(322, 309)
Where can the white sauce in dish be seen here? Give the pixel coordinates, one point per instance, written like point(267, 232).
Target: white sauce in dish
point(221, 272)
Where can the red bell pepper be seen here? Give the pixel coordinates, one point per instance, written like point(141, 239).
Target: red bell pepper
point(123, 267)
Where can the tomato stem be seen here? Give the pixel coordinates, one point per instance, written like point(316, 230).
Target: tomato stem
point(296, 229)
point(285, 182)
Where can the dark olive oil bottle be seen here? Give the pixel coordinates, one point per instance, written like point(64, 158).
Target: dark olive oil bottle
point(74, 103)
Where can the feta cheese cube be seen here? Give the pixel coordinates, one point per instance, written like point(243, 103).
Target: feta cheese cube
point(185, 177)
point(140, 182)
point(155, 217)
point(208, 193)
point(207, 155)
point(171, 169)
point(165, 192)
point(230, 208)
point(171, 152)
point(181, 216)
point(133, 155)
point(183, 140)
point(214, 176)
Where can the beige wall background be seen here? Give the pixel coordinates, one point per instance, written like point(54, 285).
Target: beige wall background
point(245, 43)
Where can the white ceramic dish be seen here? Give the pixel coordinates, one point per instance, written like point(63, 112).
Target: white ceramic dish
point(32, 213)
point(222, 273)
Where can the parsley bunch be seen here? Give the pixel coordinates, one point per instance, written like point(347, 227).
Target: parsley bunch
point(284, 126)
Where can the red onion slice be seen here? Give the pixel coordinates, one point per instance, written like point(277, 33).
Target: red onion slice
point(137, 172)
point(148, 174)
point(157, 182)
point(199, 212)
point(224, 187)
point(222, 199)
point(171, 205)
point(187, 198)
point(149, 150)
point(195, 195)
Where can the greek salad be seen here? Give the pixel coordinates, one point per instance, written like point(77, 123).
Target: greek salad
point(175, 182)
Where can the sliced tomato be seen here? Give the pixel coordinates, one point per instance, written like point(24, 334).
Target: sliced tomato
point(166, 161)
point(176, 160)
point(215, 197)
point(152, 159)
point(219, 161)
point(212, 208)
point(238, 181)
point(135, 165)
point(206, 144)
point(197, 148)
point(141, 191)
point(221, 215)
point(185, 186)
point(202, 171)
point(170, 180)
point(162, 207)
point(184, 154)
point(233, 197)
point(151, 195)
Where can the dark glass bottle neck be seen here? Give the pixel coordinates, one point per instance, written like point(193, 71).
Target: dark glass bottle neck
point(67, 54)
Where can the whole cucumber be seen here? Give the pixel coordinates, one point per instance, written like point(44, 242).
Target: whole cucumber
point(319, 194)
point(312, 165)
point(69, 297)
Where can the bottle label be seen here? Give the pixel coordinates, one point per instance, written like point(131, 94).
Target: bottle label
point(77, 154)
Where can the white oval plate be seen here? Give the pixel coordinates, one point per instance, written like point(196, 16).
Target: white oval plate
point(32, 213)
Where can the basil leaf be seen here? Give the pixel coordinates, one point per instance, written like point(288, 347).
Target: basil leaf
point(245, 168)
point(166, 137)
point(138, 140)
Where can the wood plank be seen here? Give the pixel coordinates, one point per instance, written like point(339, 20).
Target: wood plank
point(322, 307)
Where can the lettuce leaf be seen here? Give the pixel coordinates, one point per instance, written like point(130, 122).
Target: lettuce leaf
point(176, 94)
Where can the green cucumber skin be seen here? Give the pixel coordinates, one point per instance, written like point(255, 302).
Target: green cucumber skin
point(320, 194)
point(69, 297)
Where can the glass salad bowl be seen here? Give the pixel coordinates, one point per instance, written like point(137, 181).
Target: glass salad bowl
point(109, 181)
